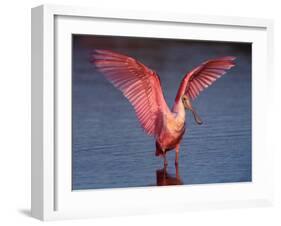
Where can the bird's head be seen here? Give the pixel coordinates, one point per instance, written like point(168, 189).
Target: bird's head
point(188, 106)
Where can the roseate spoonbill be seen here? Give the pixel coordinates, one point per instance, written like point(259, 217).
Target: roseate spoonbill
point(142, 87)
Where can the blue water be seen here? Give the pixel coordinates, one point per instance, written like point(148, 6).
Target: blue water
point(110, 150)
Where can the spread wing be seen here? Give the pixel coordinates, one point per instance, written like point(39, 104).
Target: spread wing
point(204, 75)
point(140, 85)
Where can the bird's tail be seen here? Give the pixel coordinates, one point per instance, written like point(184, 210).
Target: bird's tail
point(158, 151)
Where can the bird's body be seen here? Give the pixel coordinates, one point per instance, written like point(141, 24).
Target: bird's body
point(171, 130)
point(142, 87)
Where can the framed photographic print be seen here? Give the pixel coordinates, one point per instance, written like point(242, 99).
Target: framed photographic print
point(137, 112)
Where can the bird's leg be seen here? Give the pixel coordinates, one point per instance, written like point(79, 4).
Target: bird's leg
point(165, 160)
point(177, 154)
point(177, 172)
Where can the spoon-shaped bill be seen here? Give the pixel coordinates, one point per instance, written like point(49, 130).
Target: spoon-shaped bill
point(197, 118)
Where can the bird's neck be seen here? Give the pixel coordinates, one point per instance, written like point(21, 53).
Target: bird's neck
point(179, 110)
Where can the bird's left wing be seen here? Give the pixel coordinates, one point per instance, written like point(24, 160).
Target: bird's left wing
point(139, 84)
point(204, 75)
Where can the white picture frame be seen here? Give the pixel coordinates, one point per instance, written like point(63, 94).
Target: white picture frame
point(52, 197)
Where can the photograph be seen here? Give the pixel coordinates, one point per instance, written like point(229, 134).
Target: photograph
point(150, 111)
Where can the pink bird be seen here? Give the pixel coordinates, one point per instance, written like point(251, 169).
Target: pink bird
point(142, 87)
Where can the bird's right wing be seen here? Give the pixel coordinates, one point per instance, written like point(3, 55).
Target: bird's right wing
point(139, 84)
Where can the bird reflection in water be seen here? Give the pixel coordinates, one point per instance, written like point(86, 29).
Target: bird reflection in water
point(163, 178)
